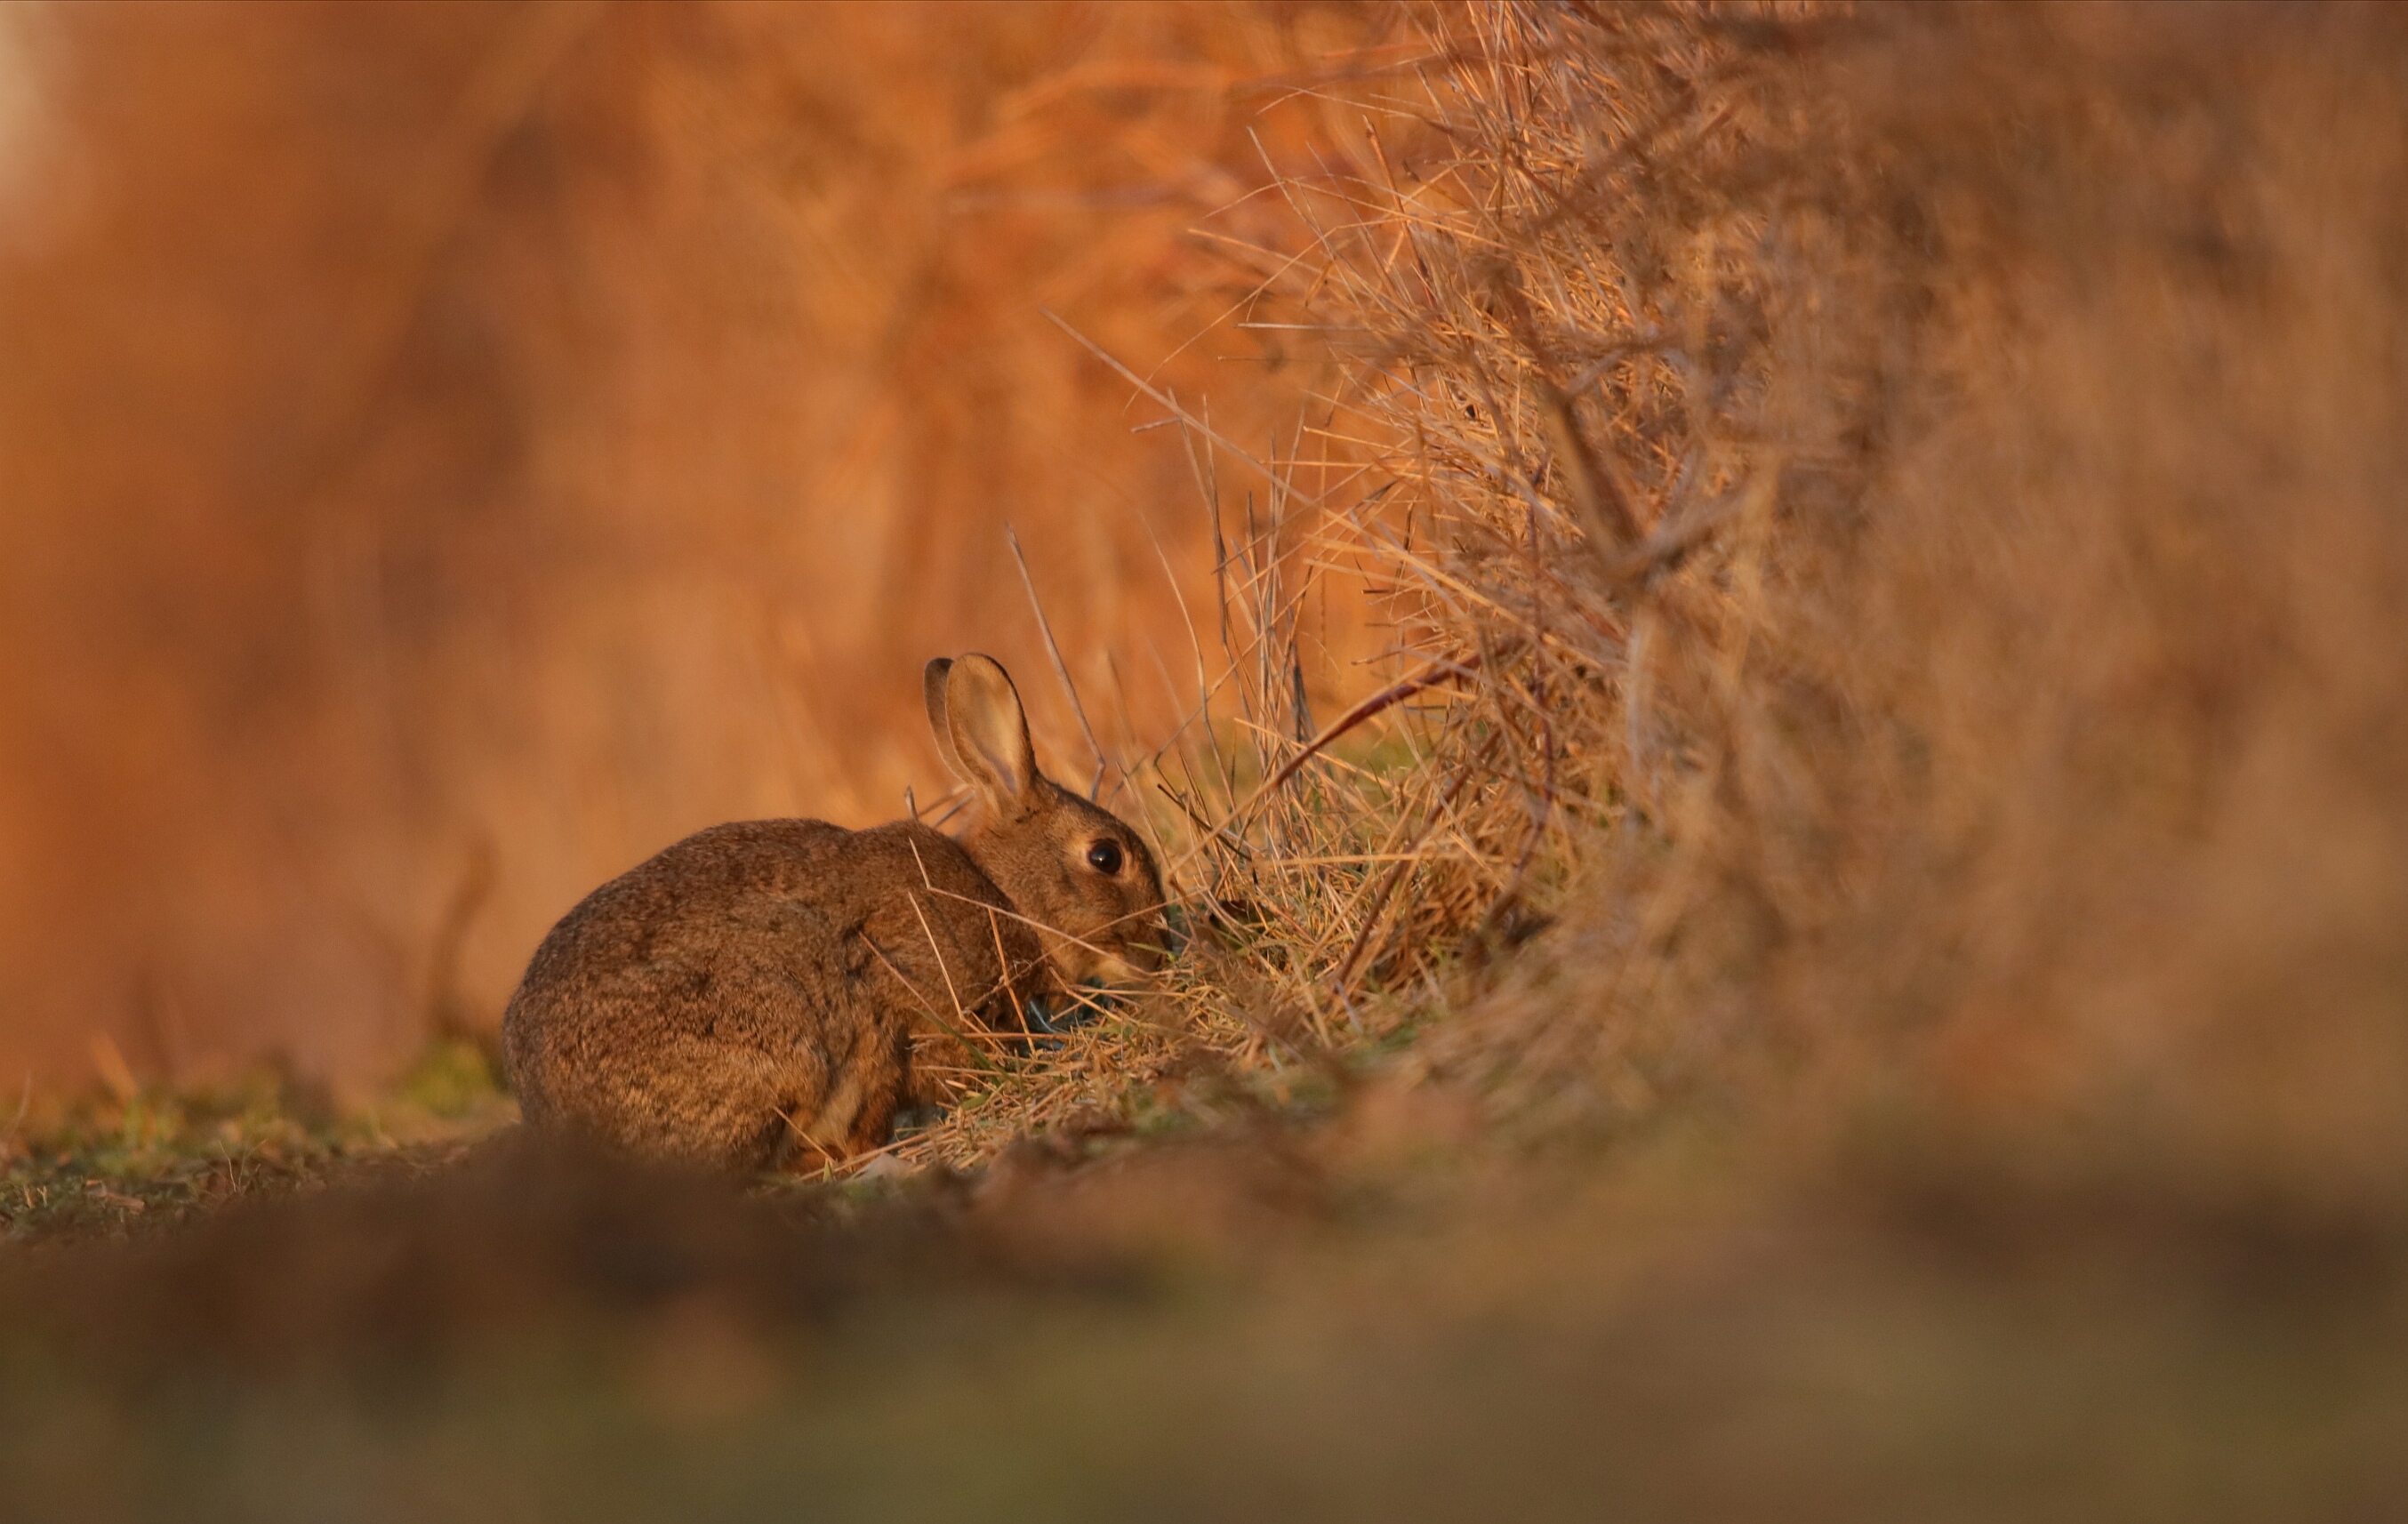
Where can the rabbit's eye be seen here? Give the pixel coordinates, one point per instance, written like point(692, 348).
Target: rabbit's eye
point(1105, 856)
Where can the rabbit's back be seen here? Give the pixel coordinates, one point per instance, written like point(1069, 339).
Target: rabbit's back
point(759, 982)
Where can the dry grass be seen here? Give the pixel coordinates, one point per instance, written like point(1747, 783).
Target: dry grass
point(1902, 576)
point(2017, 749)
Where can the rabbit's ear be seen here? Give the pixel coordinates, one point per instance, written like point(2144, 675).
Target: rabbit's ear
point(932, 690)
point(990, 736)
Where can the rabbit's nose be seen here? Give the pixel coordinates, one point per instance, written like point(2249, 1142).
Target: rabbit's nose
point(1043, 1021)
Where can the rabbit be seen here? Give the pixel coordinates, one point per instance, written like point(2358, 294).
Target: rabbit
point(774, 991)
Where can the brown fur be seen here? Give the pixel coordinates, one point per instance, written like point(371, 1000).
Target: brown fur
point(775, 985)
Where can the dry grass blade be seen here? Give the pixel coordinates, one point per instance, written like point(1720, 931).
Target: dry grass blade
point(1061, 671)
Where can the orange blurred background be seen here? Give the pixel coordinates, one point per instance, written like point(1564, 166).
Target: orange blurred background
point(449, 453)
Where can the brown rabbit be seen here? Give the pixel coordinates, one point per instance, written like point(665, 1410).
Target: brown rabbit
point(772, 984)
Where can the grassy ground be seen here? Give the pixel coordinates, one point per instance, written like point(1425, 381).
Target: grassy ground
point(108, 1162)
point(1242, 1326)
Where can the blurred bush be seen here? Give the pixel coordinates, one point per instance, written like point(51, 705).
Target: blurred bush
point(447, 454)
